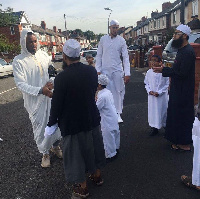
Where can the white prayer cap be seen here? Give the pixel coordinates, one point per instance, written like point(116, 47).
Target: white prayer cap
point(185, 29)
point(72, 48)
point(114, 22)
point(103, 80)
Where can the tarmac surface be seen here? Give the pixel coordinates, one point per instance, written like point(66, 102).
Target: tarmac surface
point(146, 167)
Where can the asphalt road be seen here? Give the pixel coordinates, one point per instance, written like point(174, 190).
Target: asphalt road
point(146, 167)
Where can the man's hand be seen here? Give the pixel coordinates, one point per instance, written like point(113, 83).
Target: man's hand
point(49, 85)
point(98, 73)
point(47, 92)
point(151, 93)
point(156, 94)
point(126, 79)
point(157, 69)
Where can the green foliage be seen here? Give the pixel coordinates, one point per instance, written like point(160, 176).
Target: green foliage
point(5, 46)
point(169, 34)
point(7, 17)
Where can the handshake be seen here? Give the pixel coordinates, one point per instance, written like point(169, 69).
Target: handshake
point(47, 89)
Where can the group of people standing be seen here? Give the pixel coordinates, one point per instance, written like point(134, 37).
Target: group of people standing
point(82, 104)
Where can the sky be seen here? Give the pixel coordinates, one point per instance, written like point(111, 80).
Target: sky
point(84, 14)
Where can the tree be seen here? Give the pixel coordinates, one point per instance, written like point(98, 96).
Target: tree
point(5, 46)
point(7, 17)
point(89, 35)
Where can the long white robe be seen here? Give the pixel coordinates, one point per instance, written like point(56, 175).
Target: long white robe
point(109, 122)
point(196, 156)
point(157, 106)
point(108, 61)
point(30, 74)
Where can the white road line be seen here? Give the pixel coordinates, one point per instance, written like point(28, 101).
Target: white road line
point(7, 90)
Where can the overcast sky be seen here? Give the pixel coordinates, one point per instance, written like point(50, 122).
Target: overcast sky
point(84, 14)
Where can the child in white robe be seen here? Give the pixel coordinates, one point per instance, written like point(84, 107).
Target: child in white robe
point(157, 89)
point(109, 118)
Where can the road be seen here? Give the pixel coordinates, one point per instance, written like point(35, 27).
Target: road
point(146, 167)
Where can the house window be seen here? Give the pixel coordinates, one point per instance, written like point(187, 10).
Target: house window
point(174, 17)
point(12, 30)
point(158, 23)
point(155, 24)
point(163, 21)
point(195, 7)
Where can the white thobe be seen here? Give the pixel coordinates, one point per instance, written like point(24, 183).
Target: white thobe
point(157, 106)
point(196, 156)
point(109, 122)
point(29, 79)
point(108, 61)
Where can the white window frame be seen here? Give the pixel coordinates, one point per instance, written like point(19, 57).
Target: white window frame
point(12, 30)
point(195, 7)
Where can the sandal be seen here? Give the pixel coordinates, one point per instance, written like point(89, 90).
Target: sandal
point(97, 180)
point(177, 148)
point(188, 182)
point(79, 191)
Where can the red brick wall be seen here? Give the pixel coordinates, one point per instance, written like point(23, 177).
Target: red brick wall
point(12, 38)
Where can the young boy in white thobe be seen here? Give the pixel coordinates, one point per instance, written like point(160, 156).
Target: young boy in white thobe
point(157, 89)
point(109, 118)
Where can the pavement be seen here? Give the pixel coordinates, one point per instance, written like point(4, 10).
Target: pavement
point(146, 167)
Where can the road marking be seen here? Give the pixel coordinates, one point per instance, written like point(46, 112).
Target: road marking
point(7, 90)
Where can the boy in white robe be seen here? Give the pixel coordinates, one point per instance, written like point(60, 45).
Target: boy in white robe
point(157, 89)
point(30, 70)
point(109, 118)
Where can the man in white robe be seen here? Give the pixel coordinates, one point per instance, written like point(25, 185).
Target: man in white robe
point(30, 70)
point(109, 118)
point(157, 89)
point(108, 61)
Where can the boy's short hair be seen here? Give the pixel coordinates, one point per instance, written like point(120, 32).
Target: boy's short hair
point(157, 56)
point(88, 56)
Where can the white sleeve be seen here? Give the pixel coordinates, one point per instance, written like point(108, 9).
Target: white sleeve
point(125, 56)
point(165, 87)
point(20, 81)
point(100, 102)
point(98, 64)
point(146, 82)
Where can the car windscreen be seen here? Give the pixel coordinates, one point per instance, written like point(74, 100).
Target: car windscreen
point(2, 62)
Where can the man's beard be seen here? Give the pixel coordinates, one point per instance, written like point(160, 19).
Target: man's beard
point(177, 43)
point(64, 65)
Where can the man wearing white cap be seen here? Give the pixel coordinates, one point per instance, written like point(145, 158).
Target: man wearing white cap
point(30, 70)
point(108, 61)
point(180, 113)
point(74, 109)
point(109, 118)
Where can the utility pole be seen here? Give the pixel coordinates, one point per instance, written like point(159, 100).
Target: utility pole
point(182, 14)
point(65, 26)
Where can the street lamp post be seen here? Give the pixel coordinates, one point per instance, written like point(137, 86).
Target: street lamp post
point(108, 17)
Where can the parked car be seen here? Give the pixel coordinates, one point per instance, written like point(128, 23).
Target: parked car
point(147, 57)
point(58, 56)
point(169, 53)
point(5, 68)
point(92, 52)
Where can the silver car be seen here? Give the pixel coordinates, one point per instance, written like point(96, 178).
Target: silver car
point(169, 53)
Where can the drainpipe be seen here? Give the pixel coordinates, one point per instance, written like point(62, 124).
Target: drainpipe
point(182, 14)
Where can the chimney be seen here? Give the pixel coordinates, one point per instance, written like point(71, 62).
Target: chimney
point(43, 25)
point(153, 14)
point(54, 29)
point(143, 19)
point(166, 5)
point(138, 23)
point(59, 30)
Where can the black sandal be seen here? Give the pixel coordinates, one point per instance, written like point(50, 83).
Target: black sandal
point(188, 182)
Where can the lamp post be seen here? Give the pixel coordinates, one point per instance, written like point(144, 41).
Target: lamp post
point(108, 16)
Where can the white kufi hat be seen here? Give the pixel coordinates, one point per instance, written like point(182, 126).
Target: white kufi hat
point(72, 48)
point(114, 22)
point(103, 80)
point(184, 28)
